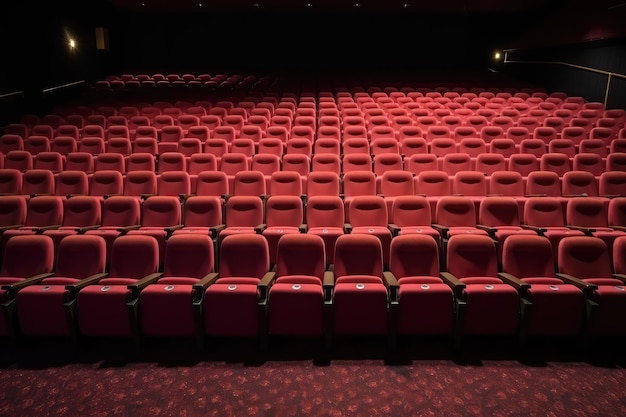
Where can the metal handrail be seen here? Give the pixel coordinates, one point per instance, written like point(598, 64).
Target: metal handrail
point(609, 74)
point(58, 87)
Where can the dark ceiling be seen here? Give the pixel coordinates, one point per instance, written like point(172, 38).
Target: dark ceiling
point(447, 6)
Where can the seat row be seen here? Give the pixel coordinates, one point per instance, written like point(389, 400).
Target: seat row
point(74, 296)
point(257, 126)
point(430, 182)
point(327, 216)
point(268, 163)
point(406, 145)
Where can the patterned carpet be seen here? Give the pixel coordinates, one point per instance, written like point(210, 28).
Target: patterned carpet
point(357, 378)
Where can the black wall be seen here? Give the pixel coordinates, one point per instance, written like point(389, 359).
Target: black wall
point(584, 34)
point(301, 41)
point(36, 56)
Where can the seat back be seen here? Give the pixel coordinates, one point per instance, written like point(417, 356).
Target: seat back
point(527, 256)
point(506, 183)
point(368, 210)
point(173, 183)
point(244, 255)
point(579, 183)
point(584, 257)
point(134, 256)
point(322, 183)
point(37, 181)
point(325, 211)
point(250, 183)
point(161, 211)
point(202, 211)
point(586, 212)
point(12, 210)
point(469, 183)
point(80, 256)
point(359, 183)
point(498, 211)
point(414, 255)
point(544, 212)
point(82, 211)
point(243, 211)
point(26, 256)
point(358, 254)
point(106, 182)
point(471, 256)
point(411, 210)
point(543, 183)
point(121, 211)
point(44, 210)
point(189, 255)
point(284, 210)
point(433, 183)
point(301, 254)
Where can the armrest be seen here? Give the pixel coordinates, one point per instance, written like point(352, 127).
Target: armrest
point(136, 288)
point(265, 283)
point(82, 230)
point(200, 286)
point(170, 230)
point(453, 282)
point(395, 229)
point(259, 229)
point(620, 228)
point(586, 230)
point(328, 284)
point(512, 280)
point(347, 227)
point(535, 195)
point(587, 287)
point(392, 285)
point(74, 288)
point(215, 230)
point(490, 230)
point(494, 195)
point(11, 289)
point(610, 195)
point(303, 228)
point(538, 230)
point(206, 281)
point(13, 226)
point(42, 229)
point(621, 277)
point(146, 196)
point(126, 229)
point(443, 230)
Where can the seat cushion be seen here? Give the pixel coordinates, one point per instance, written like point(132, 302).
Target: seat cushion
point(296, 309)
